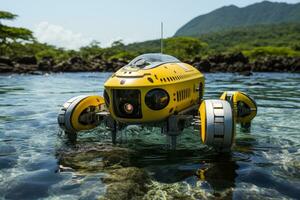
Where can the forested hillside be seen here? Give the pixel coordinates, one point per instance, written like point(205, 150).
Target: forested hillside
point(232, 16)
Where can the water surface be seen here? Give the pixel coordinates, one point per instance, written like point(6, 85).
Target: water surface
point(263, 164)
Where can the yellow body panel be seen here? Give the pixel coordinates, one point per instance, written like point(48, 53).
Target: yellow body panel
point(202, 111)
point(90, 101)
point(241, 97)
point(180, 80)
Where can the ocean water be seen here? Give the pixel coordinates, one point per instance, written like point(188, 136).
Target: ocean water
point(263, 164)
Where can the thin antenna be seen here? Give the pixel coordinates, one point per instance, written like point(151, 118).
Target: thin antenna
point(161, 37)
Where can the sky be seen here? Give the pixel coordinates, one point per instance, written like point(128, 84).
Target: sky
point(75, 23)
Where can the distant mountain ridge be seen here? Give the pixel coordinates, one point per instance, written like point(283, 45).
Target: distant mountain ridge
point(232, 16)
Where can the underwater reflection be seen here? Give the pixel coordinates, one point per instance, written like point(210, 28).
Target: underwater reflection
point(201, 169)
point(219, 174)
point(212, 172)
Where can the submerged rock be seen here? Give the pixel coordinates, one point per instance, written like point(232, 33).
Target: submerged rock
point(126, 183)
point(176, 191)
point(123, 181)
point(95, 157)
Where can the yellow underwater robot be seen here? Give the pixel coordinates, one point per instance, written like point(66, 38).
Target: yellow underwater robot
point(159, 90)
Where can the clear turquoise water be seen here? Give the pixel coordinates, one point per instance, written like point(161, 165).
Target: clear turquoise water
point(263, 164)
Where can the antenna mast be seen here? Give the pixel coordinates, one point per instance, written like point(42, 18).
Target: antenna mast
point(161, 37)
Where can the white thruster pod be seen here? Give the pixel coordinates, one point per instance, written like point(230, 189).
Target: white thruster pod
point(217, 124)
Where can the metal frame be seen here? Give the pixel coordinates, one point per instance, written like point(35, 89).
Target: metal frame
point(171, 127)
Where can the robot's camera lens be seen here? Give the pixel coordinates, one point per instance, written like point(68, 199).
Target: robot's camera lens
point(128, 108)
point(157, 99)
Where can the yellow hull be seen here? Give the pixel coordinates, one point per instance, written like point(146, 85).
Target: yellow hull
point(183, 83)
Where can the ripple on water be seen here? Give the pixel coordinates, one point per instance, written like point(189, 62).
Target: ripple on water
point(264, 164)
point(31, 185)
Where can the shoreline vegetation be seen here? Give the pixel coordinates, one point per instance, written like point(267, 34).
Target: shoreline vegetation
point(259, 48)
point(230, 63)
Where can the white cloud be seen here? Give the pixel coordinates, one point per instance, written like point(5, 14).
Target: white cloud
point(59, 36)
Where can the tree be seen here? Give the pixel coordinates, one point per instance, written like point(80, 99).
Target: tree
point(11, 34)
point(184, 47)
point(92, 49)
point(118, 44)
point(7, 15)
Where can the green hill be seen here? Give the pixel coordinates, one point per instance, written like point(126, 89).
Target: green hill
point(245, 38)
point(232, 16)
point(237, 39)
